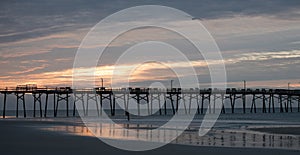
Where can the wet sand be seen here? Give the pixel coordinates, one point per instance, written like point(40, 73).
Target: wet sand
point(21, 137)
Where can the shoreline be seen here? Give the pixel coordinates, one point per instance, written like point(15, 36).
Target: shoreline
point(283, 130)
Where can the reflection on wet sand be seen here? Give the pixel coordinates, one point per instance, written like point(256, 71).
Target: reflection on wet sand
point(215, 137)
point(241, 138)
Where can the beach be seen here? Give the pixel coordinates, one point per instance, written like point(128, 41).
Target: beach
point(61, 136)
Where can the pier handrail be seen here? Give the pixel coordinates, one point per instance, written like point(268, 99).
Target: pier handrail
point(35, 89)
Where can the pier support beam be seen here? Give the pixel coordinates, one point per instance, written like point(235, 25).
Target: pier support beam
point(226, 96)
point(155, 97)
point(78, 97)
point(20, 98)
point(271, 103)
point(121, 96)
point(169, 95)
point(244, 101)
point(203, 98)
point(107, 96)
point(298, 103)
point(280, 103)
point(253, 105)
point(237, 94)
point(223, 107)
point(233, 100)
point(196, 98)
point(289, 104)
point(264, 108)
point(220, 97)
point(184, 102)
point(4, 103)
point(139, 96)
point(54, 104)
point(94, 98)
point(46, 104)
point(37, 98)
point(202, 103)
point(62, 97)
point(179, 96)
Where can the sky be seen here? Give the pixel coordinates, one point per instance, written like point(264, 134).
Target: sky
point(259, 41)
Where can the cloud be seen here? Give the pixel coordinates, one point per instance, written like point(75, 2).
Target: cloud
point(150, 71)
point(259, 39)
point(259, 56)
point(30, 69)
point(30, 19)
point(259, 33)
point(264, 56)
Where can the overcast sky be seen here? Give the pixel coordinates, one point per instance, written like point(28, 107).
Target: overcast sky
point(259, 40)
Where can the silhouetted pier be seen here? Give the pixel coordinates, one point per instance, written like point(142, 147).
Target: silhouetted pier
point(204, 98)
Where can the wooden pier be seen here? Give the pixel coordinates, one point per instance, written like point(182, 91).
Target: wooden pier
point(205, 99)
